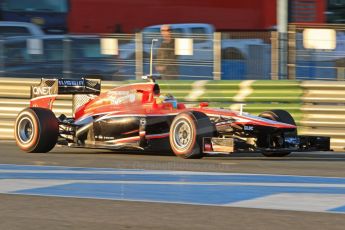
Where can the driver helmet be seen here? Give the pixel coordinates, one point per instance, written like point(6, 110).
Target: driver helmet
point(167, 98)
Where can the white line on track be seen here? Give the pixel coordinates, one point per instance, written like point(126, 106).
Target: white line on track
point(295, 202)
point(12, 185)
point(52, 182)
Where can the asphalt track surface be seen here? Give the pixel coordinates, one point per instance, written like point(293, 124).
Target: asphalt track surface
point(36, 208)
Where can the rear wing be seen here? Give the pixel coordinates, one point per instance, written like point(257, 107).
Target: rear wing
point(66, 86)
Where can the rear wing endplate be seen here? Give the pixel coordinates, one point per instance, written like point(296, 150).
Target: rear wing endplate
point(66, 86)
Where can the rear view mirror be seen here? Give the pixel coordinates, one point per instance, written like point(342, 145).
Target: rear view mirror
point(203, 104)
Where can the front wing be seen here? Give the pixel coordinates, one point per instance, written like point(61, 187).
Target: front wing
point(227, 145)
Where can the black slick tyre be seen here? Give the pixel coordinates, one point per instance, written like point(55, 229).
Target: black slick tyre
point(36, 130)
point(187, 132)
point(280, 116)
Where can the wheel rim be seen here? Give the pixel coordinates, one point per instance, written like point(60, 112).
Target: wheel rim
point(26, 130)
point(183, 134)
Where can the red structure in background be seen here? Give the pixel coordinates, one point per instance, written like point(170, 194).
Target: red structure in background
point(109, 16)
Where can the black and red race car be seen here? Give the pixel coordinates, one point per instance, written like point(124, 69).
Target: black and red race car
point(138, 117)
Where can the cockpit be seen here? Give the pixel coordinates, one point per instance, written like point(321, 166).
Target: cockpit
point(165, 99)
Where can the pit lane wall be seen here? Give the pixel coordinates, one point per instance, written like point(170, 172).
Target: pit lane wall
point(317, 106)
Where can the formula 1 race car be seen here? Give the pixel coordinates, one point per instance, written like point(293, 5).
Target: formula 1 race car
point(138, 117)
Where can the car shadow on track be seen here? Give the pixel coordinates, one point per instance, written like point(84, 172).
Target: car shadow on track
point(298, 156)
point(67, 150)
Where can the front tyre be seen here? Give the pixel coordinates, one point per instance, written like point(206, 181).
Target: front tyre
point(280, 116)
point(187, 132)
point(36, 130)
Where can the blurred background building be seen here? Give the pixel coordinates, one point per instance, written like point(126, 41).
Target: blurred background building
point(114, 16)
point(230, 39)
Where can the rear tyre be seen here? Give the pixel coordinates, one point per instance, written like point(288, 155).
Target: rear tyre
point(187, 132)
point(275, 115)
point(36, 130)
